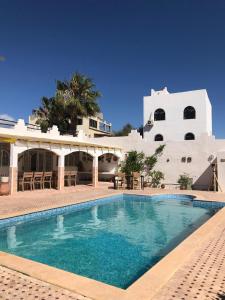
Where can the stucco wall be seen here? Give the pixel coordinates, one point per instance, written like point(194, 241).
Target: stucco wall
point(201, 152)
point(175, 127)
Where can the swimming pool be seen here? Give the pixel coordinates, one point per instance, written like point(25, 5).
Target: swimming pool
point(114, 240)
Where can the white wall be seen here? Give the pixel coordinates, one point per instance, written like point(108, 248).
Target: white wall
point(170, 163)
point(175, 127)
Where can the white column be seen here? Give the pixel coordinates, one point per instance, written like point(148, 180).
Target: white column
point(13, 165)
point(61, 165)
point(95, 171)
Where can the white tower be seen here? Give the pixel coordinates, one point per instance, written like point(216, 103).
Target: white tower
point(177, 116)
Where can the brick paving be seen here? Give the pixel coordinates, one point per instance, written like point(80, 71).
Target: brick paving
point(17, 286)
point(202, 276)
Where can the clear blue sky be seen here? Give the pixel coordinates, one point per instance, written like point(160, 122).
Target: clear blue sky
point(127, 47)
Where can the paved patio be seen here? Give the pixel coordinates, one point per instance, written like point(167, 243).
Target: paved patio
point(201, 276)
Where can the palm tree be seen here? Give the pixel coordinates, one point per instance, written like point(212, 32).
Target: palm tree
point(73, 99)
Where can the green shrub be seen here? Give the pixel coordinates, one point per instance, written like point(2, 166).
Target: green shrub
point(185, 181)
point(156, 177)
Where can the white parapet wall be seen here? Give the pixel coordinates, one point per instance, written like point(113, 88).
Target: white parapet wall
point(192, 157)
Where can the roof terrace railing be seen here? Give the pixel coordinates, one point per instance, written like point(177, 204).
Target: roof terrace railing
point(7, 123)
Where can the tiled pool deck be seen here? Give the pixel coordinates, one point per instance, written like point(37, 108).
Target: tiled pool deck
point(194, 270)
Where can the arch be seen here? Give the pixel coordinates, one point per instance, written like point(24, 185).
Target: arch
point(82, 163)
point(158, 137)
point(81, 151)
point(189, 113)
point(37, 159)
point(107, 166)
point(189, 136)
point(21, 150)
point(111, 153)
point(159, 115)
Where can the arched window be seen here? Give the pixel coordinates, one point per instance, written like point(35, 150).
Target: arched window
point(189, 136)
point(158, 137)
point(189, 113)
point(159, 115)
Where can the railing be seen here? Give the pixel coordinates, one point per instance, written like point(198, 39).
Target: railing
point(33, 127)
point(104, 127)
point(7, 123)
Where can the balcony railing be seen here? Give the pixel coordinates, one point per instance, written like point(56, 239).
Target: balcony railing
point(5, 123)
point(104, 127)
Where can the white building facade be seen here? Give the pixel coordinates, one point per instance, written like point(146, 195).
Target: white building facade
point(177, 116)
point(181, 121)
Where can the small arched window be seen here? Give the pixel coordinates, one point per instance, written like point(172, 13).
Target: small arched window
point(189, 113)
point(159, 115)
point(158, 137)
point(189, 136)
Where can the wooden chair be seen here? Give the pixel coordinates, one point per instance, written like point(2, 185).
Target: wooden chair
point(25, 178)
point(136, 180)
point(73, 177)
point(120, 180)
point(47, 179)
point(38, 179)
point(67, 178)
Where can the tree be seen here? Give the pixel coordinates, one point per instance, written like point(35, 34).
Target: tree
point(124, 131)
point(137, 162)
point(133, 163)
point(73, 99)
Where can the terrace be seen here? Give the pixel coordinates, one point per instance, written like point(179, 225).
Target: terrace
point(199, 274)
point(26, 151)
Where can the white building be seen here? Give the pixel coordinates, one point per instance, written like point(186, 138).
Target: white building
point(181, 121)
point(95, 126)
point(177, 116)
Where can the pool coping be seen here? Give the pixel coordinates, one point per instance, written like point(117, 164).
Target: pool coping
point(143, 288)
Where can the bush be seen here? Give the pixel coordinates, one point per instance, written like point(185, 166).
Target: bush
point(156, 177)
point(133, 163)
point(185, 181)
point(137, 162)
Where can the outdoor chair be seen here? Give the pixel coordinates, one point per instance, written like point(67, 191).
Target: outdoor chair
point(136, 180)
point(25, 179)
point(67, 178)
point(38, 180)
point(47, 179)
point(73, 178)
point(119, 181)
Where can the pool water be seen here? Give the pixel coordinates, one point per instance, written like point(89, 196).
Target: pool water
point(114, 242)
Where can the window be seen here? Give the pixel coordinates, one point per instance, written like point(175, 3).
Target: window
point(158, 137)
point(93, 123)
point(189, 113)
point(189, 136)
point(159, 115)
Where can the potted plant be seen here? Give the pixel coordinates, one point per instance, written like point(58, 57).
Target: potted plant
point(4, 185)
point(185, 181)
point(156, 177)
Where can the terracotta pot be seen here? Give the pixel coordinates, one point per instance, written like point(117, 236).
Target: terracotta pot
point(4, 188)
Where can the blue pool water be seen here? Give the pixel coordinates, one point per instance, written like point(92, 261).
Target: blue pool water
point(114, 241)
